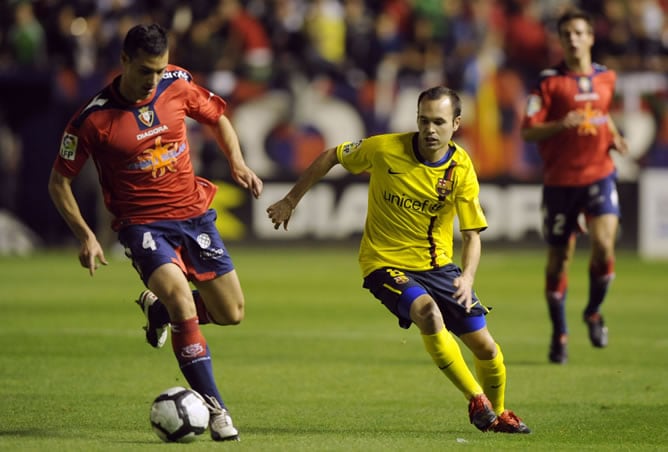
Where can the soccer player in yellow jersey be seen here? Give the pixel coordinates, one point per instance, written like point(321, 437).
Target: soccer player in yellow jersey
point(419, 182)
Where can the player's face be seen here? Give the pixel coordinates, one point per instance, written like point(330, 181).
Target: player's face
point(577, 38)
point(435, 127)
point(141, 74)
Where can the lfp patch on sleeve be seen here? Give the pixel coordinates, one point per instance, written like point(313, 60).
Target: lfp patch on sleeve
point(534, 105)
point(68, 146)
point(352, 146)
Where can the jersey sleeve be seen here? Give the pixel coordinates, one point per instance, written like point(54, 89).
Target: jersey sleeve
point(203, 105)
point(467, 202)
point(538, 103)
point(74, 150)
point(354, 156)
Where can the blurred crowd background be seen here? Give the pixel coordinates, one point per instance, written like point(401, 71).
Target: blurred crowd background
point(302, 74)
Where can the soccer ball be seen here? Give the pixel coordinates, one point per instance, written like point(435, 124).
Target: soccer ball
point(179, 415)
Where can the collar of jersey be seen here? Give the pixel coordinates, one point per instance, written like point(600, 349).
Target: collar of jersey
point(448, 155)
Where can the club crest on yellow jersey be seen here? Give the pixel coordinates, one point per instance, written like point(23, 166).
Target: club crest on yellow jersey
point(443, 187)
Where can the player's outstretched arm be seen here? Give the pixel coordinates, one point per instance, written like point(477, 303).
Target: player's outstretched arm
point(60, 190)
point(548, 129)
point(471, 250)
point(281, 211)
point(618, 141)
point(227, 139)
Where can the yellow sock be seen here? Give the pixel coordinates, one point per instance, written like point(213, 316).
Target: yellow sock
point(492, 376)
point(447, 355)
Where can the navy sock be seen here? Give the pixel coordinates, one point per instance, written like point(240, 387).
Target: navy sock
point(194, 357)
point(600, 277)
point(199, 374)
point(598, 288)
point(557, 310)
point(556, 289)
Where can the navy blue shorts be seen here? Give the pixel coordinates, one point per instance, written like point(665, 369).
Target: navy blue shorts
point(562, 205)
point(397, 289)
point(194, 245)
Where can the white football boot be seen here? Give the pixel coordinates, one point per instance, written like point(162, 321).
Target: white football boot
point(220, 422)
point(156, 335)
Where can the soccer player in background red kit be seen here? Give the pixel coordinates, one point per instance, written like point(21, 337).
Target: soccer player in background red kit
point(135, 131)
point(567, 114)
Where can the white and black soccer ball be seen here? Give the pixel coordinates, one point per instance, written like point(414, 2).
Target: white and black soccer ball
point(179, 415)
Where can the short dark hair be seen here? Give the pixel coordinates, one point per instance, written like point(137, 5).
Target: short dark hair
point(152, 39)
point(572, 14)
point(437, 92)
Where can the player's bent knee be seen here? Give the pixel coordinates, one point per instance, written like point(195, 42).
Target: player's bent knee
point(488, 351)
point(236, 318)
point(484, 353)
point(228, 317)
point(425, 314)
point(481, 344)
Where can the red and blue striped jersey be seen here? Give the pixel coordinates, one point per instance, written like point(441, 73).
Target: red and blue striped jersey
point(576, 156)
point(141, 150)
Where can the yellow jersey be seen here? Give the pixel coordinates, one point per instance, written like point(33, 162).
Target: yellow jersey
point(412, 203)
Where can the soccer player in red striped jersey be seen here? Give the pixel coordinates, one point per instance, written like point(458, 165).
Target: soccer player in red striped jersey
point(568, 115)
point(134, 130)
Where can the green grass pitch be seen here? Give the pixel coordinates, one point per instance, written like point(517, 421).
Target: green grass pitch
point(318, 364)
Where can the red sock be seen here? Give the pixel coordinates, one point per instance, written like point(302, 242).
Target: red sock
point(602, 271)
point(188, 342)
point(194, 358)
point(555, 288)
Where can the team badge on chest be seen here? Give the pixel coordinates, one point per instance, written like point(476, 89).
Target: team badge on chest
point(146, 116)
point(443, 187)
point(585, 85)
point(445, 184)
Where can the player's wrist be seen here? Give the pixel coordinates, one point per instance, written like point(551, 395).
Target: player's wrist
point(290, 202)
